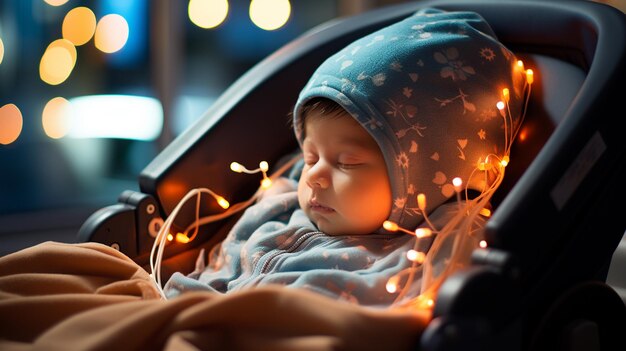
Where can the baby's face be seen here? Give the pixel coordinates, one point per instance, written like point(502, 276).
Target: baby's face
point(344, 187)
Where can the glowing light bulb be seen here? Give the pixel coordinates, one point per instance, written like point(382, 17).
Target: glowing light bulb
point(421, 201)
point(482, 244)
point(416, 256)
point(484, 166)
point(505, 161)
point(390, 226)
point(236, 167)
point(182, 238)
point(170, 237)
point(222, 202)
point(266, 183)
point(457, 182)
point(485, 212)
point(505, 94)
point(530, 76)
point(500, 105)
point(392, 285)
point(520, 65)
point(263, 166)
point(423, 232)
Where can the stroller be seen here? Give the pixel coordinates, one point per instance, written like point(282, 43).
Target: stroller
point(541, 284)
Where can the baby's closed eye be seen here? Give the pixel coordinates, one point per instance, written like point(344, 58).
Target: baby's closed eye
point(348, 165)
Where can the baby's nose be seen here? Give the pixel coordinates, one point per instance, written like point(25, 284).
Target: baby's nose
point(318, 182)
point(317, 177)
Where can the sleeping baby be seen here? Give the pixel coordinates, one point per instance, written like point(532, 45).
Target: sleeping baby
point(404, 136)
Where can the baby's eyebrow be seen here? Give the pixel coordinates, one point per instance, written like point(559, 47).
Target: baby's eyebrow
point(359, 144)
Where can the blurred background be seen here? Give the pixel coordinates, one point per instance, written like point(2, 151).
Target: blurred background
point(91, 91)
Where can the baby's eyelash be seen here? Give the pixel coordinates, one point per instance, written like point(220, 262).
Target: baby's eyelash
point(348, 165)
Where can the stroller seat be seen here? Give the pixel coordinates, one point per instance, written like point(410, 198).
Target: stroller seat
point(554, 227)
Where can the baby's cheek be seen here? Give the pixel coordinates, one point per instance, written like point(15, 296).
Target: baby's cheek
point(303, 191)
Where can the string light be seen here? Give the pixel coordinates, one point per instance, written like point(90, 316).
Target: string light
point(463, 221)
point(505, 161)
point(416, 256)
point(419, 232)
point(222, 202)
point(530, 76)
point(421, 201)
point(266, 182)
point(500, 105)
point(182, 238)
point(485, 212)
point(164, 235)
point(392, 284)
point(469, 209)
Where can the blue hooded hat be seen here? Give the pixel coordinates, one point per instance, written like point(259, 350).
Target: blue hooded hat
point(426, 89)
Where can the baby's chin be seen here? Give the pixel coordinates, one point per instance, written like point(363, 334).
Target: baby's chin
point(335, 229)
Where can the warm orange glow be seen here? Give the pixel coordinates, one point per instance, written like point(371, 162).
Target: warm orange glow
point(530, 76)
point(392, 284)
point(11, 122)
point(485, 212)
point(57, 62)
point(457, 182)
point(390, 226)
point(170, 237)
point(505, 94)
point(421, 201)
point(54, 118)
point(222, 202)
point(520, 65)
point(182, 238)
point(505, 161)
point(423, 232)
point(484, 166)
point(172, 190)
point(500, 105)
point(416, 256)
point(111, 33)
point(67, 45)
point(266, 183)
point(523, 134)
point(79, 25)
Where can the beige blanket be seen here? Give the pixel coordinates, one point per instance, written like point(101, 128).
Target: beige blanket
point(88, 296)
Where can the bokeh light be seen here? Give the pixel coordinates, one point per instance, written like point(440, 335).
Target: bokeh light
point(57, 62)
point(79, 25)
point(55, 2)
point(270, 14)
point(1, 50)
point(54, 118)
point(111, 33)
point(207, 13)
point(114, 116)
point(11, 122)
